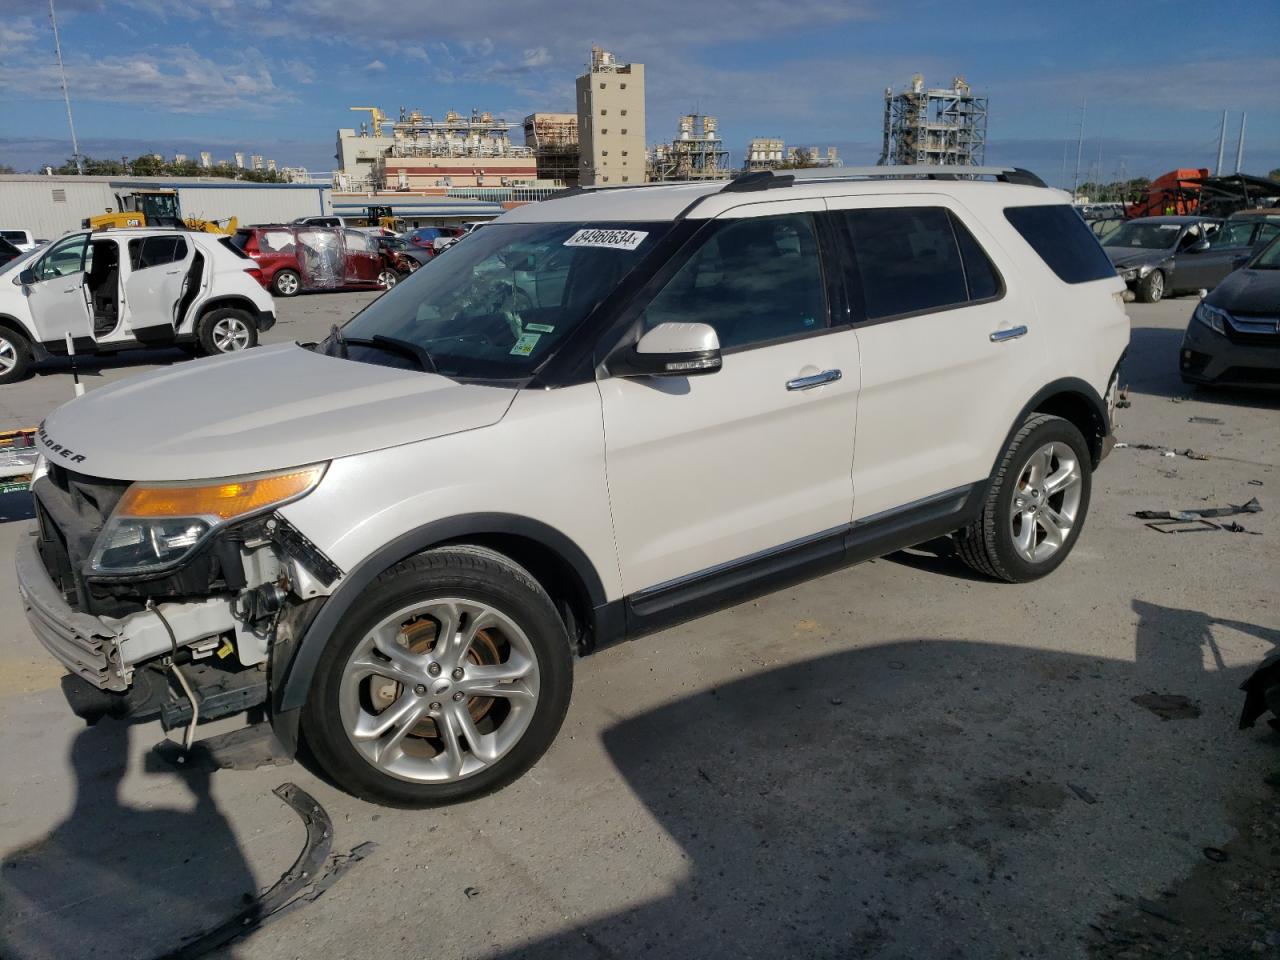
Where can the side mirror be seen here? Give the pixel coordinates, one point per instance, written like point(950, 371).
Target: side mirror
point(27, 277)
point(671, 350)
point(1200, 246)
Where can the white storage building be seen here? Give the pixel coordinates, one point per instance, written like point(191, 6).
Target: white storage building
point(51, 205)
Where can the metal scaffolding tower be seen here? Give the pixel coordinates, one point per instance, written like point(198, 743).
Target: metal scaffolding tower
point(697, 153)
point(944, 127)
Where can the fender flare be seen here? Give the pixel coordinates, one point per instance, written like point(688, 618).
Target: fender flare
point(1073, 386)
point(297, 681)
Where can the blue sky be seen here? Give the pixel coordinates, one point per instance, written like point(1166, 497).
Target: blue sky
point(276, 76)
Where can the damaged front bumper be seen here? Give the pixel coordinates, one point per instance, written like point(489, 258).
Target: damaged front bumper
point(104, 651)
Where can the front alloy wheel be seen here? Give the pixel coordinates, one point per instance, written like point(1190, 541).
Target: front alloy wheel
point(439, 690)
point(388, 278)
point(448, 678)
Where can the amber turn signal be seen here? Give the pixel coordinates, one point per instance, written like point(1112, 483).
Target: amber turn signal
point(225, 500)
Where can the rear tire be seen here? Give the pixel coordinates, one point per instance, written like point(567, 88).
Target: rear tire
point(227, 330)
point(1036, 506)
point(15, 356)
point(392, 715)
point(286, 283)
point(1151, 288)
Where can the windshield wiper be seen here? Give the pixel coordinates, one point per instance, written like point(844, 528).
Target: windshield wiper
point(406, 348)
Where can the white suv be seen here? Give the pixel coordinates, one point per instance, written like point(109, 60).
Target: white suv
point(606, 413)
point(118, 289)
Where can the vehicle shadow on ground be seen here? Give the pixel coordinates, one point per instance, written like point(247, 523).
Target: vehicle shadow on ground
point(888, 802)
point(1151, 368)
point(936, 556)
point(112, 880)
point(93, 365)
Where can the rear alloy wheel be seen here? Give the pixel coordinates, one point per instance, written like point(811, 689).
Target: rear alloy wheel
point(448, 679)
point(1036, 506)
point(286, 283)
point(388, 278)
point(15, 356)
point(227, 330)
point(1151, 287)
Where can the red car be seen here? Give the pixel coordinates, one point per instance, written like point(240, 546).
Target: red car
point(298, 257)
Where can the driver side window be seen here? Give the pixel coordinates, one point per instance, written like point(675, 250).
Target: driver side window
point(63, 259)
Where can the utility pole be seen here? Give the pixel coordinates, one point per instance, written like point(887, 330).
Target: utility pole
point(62, 73)
point(1075, 181)
point(1222, 143)
point(1240, 145)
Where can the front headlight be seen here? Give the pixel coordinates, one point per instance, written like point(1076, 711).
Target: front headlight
point(1212, 317)
point(156, 525)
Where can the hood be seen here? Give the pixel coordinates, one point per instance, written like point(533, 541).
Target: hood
point(266, 409)
point(1248, 292)
point(1124, 257)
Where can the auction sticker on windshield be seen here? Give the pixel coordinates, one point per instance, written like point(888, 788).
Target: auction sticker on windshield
point(524, 346)
point(610, 239)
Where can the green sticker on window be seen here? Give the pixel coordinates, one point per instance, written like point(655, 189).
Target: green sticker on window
point(524, 346)
point(539, 327)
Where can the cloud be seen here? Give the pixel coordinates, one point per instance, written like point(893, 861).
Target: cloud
point(180, 81)
point(537, 57)
point(416, 52)
point(17, 34)
point(299, 71)
point(375, 66)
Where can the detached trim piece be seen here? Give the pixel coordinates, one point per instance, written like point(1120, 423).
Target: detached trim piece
point(290, 539)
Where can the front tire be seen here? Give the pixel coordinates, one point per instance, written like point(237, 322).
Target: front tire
point(1036, 506)
point(227, 330)
point(388, 278)
point(448, 679)
point(15, 356)
point(1151, 288)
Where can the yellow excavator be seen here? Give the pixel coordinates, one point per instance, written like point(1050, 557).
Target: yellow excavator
point(154, 208)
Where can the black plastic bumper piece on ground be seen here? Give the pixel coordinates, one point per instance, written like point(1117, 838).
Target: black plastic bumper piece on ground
point(295, 880)
point(143, 700)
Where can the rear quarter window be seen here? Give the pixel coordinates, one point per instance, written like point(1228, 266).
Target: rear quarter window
point(1063, 241)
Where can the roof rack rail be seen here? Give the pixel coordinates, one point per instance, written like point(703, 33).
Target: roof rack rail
point(776, 179)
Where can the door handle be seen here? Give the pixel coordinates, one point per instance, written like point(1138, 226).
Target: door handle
point(1012, 333)
point(172, 273)
point(816, 380)
point(71, 289)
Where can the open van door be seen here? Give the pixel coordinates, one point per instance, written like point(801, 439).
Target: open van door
point(158, 269)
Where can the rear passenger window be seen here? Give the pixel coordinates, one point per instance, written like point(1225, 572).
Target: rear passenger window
point(147, 252)
point(753, 280)
point(908, 260)
point(1063, 241)
point(979, 274)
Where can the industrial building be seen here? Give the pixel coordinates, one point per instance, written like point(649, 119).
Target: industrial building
point(610, 100)
point(771, 153)
point(697, 152)
point(765, 153)
point(553, 138)
point(51, 205)
point(941, 126)
point(420, 151)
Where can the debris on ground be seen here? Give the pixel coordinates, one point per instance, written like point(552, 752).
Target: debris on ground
point(1204, 420)
point(1082, 793)
point(1164, 451)
point(304, 882)
point(1169, 706)
point(1228, 906)
point(1198, 518)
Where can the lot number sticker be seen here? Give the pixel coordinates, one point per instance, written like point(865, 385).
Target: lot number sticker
point(609, 239)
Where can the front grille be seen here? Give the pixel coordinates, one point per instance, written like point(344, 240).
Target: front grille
point(1254, 331)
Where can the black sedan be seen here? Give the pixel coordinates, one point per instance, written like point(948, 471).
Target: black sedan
point(1234, 335)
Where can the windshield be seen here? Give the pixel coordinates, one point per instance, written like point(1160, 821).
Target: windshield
point(499, 304)
point(1268, 257)
point(1144, 236)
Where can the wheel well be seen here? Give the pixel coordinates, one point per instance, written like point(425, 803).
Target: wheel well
point(555, 574)
point(1082, 413)
point(238, 303)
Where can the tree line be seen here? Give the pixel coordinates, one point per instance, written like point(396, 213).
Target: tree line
point(150, 165)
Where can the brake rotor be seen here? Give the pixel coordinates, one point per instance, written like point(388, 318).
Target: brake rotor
point(419, 637)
